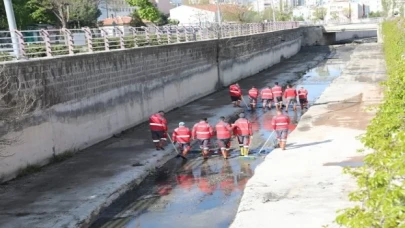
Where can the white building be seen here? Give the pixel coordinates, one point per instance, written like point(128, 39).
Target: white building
point(261, 5)
point(302, 11)
point(345, 11)
point(194, 14)
point(374, 5)
point(120, 8)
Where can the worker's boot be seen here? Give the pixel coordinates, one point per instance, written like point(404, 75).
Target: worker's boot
point(241, 150)
point(283, 145)
point(224, 154)
point(246, 151)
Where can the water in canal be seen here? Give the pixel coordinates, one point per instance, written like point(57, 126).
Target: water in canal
point(198, 193)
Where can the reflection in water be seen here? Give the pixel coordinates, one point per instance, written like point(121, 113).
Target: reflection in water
point(227, 184)
point(244, 175)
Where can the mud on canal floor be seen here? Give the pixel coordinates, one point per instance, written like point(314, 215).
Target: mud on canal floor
point(198, 193)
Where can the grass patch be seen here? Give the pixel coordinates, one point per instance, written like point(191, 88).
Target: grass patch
point(28, 170)
point(56, 158)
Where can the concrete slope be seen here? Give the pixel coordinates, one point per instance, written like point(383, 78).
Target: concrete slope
point(304, 186)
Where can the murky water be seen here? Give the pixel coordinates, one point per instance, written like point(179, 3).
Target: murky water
point(198, 193)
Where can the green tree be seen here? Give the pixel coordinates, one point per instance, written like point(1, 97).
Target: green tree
point(387, 6)
point(335, 16)
point(375, 14)
point(380, 197)
point(136, 20)
point(146, 9)
point(65, 10)
point(347, 12)
point(299, 18)
point(320, 13)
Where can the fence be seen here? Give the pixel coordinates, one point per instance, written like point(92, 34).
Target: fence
point(58, 42)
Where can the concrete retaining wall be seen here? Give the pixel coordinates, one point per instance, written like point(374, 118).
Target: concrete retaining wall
point(84, 99)
point(351, 35)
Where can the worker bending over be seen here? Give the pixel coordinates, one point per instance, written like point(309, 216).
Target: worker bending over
point(253, 94)
point(203, 132)
point(267, 97)
point(224, 134)
point(243, 130)
point(181, 138)
point(303, 97)
point(278, 95)
point(280, 124)
point(236, 94)
point(158, 128)
point(290, 94)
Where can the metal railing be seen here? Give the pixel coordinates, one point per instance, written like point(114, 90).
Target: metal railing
point(60, 42)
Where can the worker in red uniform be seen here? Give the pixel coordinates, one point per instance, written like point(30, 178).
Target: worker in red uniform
point(158, 128)
point(253, 94)
point(181, 137)
point(303, 97)
point(224, 134)
point(278, 95)
point(243, 130)
point(203, 132)
point(280, 124)
point(290, 94)
point(236, 94)
point(267, 96)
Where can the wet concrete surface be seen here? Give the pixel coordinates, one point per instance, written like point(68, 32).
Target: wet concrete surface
point(73, 192)
point(198, 193)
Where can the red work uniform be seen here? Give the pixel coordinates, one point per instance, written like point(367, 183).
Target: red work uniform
point(243, 129)
point(182, 136)
point(158, 127)
point(253, 94)
point(203, 132)
point(290, 94)
point(280, 125)
point(235, 92)
point(277, 93)
point(224, 134)
point(303, 96)
point(266, 95)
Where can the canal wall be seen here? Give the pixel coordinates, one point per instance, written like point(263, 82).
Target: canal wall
point(69, 103)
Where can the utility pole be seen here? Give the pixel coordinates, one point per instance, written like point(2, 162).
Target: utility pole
point(12, 26)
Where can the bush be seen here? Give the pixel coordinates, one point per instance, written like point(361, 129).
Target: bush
point(381, 183)
point(5, 56)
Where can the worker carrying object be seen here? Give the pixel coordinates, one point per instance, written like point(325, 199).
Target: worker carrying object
point(253, 94)
point(158, 128)
point(303, 97)
point(280, 124)
point(203, 132)
point(224, 134)
point(267, 97)
point(278, 95)
point(236, 94)
point(291, 96)
point(182, 137)
point(243, 130)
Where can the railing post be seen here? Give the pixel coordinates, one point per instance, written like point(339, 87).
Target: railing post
point(21, 45)
point(185, 34)
point(250, 29)
point(200, 31)
point(158, 36)
point(178, 34)
point(194, 33)
point(147, 37)
point(106, 41)
point(69, 37)
point(169, 35)
point(134, 34)
point(121, 36)
point(47, 40)
point(89, 38)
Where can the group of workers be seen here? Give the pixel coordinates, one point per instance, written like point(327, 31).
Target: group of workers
point(269, 95)
point(203, 132)
point(224, 132)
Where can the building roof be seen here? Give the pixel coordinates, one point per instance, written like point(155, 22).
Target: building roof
point(222, 7)
point(125, 20)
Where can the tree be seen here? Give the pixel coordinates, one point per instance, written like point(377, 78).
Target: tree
point(320, 13)
point(64, 10)
point(334, 16)
point(136, 20)
point(387, 6)
point(375, 14)
point(146, 9)
point(299, 18)
point(347, 12)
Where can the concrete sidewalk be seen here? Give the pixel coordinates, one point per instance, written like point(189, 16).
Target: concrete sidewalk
point(304, 186)
point(73, 192)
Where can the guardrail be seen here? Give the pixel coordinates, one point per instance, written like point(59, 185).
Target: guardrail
point(43, 43)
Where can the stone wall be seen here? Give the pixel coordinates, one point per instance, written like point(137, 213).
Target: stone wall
point(84, 99)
